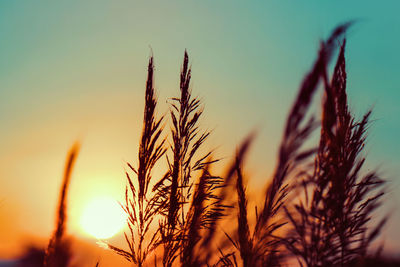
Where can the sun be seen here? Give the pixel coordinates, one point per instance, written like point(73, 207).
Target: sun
point(102, 218)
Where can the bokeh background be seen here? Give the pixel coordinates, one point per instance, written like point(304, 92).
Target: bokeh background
point(75, 70)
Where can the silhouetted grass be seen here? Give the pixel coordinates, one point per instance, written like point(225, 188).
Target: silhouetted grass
point(328, 230)
point(261, 246)
point(58, 252)
point(139, 206)
point(186, 206)
point(331, 228)
point(327, 224)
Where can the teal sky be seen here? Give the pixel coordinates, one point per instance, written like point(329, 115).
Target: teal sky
point(76, 70)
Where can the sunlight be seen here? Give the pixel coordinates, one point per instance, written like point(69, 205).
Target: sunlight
point(102, 218)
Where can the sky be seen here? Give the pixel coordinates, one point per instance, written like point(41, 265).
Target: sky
point(75, 70)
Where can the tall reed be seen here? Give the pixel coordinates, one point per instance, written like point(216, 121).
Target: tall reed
point(58, 253)
point(180, 200)
point(331, 227)
point(261, 246)
point(139, 205)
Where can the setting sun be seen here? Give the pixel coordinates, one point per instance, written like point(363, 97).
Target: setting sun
point(102, 218)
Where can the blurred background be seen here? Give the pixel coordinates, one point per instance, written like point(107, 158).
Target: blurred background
point(76, 71)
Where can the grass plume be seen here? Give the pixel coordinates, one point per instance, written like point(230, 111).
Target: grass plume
point(261, 245)
point(140, 207)
point(57, 253)
point(331, 228)
point(181, 202)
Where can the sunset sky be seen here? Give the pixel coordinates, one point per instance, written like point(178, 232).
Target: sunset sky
point(76, 70)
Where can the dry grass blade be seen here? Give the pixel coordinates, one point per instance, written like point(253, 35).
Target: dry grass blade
point(225, 193)
point(194, 221)
point(200, 215)
point(206, 249)
point(245, 242)
point(57, 253)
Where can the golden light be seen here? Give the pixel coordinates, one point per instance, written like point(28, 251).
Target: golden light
point(103, 217)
